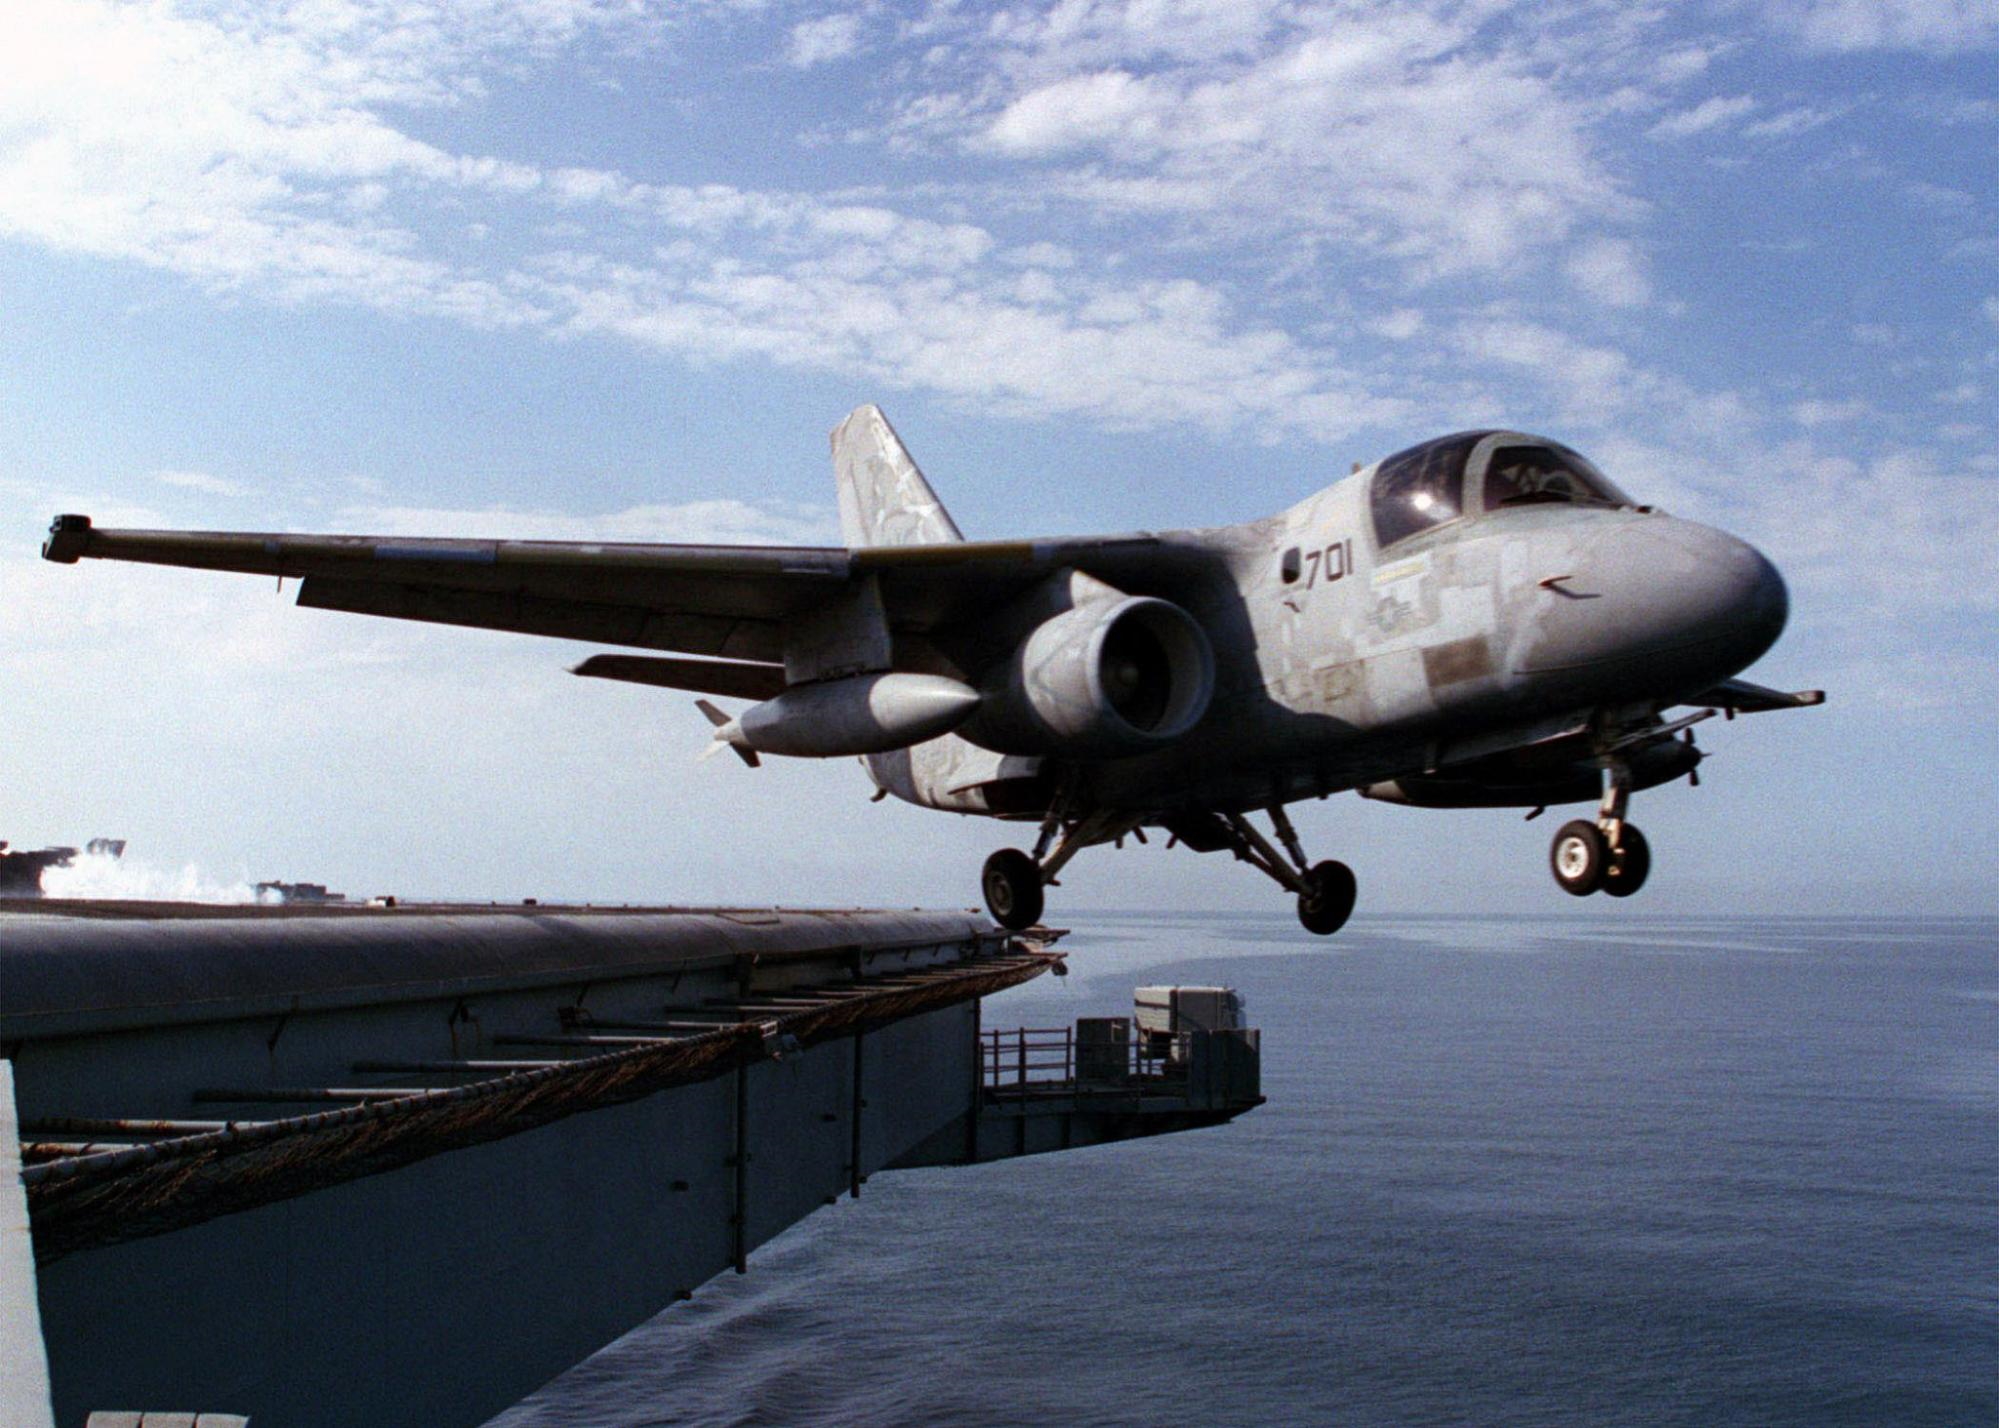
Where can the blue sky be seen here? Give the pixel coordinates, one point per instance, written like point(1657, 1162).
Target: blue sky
point(598, 268)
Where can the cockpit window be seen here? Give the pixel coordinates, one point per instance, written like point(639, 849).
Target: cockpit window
point(1527, 475)
point(1419, 488)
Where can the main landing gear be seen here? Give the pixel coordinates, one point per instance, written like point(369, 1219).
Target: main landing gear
point(1014, 881)
point(1609, 855)
point(1326, 891)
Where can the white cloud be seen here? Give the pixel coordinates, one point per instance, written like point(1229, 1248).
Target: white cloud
point(271, 174)
point(1041, 255)
point(214, 151)
point(1400, 325)
point(1611, 271)
point(1422, 138)
point(1088, 34)
point(203, 482)
point(1584, 377)
point(716, 522)
point(1935, 26)
point(1939, 198)
point(1800, 120)
point(821, 41)
point(1083, 110)
point(1145, 353)
point(1709, 114)
point(1684, 63)
point(1427, 142)
point(1272, 219)
point(1932, 530)
point(1816, 412)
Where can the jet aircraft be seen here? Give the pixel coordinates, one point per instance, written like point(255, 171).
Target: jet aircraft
point(1483, 620)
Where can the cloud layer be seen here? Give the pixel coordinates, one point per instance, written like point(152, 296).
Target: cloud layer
point(1741, 252)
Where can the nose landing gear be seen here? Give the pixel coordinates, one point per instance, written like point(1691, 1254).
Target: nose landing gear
point(1609, 855)
point(1630, 864)
point(1578, 856)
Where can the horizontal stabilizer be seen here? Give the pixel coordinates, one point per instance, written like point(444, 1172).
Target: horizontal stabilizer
point(1739, 696)
point(730, 678)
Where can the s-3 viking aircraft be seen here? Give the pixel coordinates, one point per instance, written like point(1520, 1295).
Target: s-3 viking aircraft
point(1481, 621)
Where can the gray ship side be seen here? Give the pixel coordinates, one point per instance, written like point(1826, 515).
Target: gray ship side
point(327, 1165)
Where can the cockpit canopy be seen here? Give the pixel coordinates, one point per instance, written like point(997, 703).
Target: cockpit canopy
point(1475, 473)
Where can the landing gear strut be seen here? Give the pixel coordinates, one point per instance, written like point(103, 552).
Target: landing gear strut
point(1626, 873)
point(1014, 881)
point(1326, 891)
point(1608, 855)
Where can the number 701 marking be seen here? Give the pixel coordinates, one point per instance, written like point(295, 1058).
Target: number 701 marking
point(1335, 562)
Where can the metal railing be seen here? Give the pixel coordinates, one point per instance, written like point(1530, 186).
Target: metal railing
point(1023, 1060)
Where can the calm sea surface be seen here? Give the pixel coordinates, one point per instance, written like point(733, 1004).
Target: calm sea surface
point(1511, 1172)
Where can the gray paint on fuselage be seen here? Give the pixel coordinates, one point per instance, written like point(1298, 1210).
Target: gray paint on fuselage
point(1493, 629)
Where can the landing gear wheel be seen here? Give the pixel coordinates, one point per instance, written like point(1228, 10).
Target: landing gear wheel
point(1626, 872)
point(1012, 883)
point(1578, 857)
point(1326, 907)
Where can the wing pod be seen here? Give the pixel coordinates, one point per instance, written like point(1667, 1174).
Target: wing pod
point(1500, 782)
point(1113, 674)
point(861, 714)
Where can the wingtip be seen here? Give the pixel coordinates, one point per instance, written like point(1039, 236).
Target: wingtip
point(68, 535)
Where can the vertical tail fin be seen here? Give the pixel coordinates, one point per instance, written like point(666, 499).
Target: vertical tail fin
point(884, 499)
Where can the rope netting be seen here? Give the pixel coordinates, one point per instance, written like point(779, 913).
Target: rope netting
point(105, 1199)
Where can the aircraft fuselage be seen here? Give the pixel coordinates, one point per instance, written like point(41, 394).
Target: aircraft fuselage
point(1340, 665)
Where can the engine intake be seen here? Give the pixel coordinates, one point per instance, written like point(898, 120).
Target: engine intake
point(1115, 674)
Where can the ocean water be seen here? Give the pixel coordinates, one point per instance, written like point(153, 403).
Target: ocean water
point(1512, 1171)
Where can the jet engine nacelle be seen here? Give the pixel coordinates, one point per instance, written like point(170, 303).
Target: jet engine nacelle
point(860, 714)
point(1116, 674)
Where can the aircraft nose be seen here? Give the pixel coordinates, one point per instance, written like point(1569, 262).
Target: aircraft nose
point(1693, 603)
point(1710, 590)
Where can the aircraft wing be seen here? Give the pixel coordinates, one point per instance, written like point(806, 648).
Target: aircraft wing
point(723, 601)
point(1739, 696)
